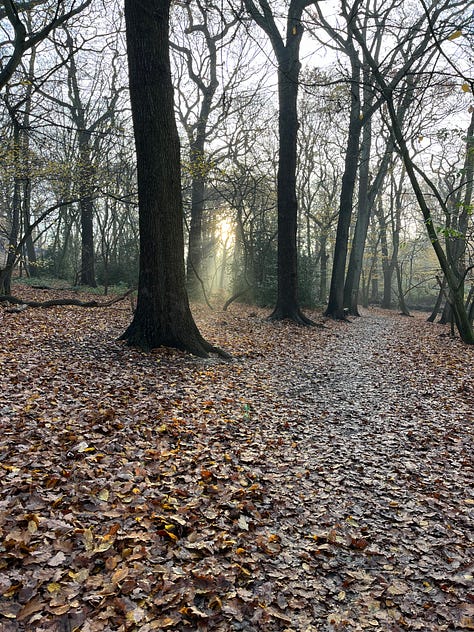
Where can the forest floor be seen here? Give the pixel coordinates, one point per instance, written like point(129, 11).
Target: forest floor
point(322, 480)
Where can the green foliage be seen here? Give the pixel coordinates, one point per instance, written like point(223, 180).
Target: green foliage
point(200, 167)
point(449, 233)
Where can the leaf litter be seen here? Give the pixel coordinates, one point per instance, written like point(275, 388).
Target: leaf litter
point(320, 481)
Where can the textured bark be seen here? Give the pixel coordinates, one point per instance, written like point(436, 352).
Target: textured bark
point(163, 316)
point(86, 205)
point(287, 296)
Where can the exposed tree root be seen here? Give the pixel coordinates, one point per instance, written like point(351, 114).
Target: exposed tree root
point(62, 301)
point(191, 342)
point(295, 315)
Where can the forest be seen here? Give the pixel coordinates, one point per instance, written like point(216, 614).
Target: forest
point(327, 167)
point(236, 315)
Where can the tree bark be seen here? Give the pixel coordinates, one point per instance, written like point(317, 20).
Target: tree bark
point(86, 205)
point(335, 307)
point(287, 54)
point(162, 316)
point(354, 269)
point(287, 296)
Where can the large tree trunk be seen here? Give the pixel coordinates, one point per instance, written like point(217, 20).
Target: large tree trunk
point(287, 297)
point(162, 316)
point(287, 54)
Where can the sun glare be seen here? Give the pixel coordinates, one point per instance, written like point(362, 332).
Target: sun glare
point(226, 231)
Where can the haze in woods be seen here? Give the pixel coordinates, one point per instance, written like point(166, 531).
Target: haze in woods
point(236, 307)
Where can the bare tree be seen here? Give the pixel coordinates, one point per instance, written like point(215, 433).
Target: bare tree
point(49, 15)
point(286, 49)
point(442, 15)
point(206, 76)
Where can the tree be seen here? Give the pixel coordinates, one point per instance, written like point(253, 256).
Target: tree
point(163, 315)
point(50, 16)
point(322, 116)
point(335, 307)
point(203, 34)
point(91, 111)
point(454, 281)
point(247, 185)
point(287, 55)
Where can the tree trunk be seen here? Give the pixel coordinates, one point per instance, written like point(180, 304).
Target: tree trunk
point(388, 262)
point(86, 205)
point(198, 187)
point(287, 54)
point(354, 269)
point(194, 259)
point(287, 299)
point(456, 293)
point(439, 301)
point(471, 306)
point(335, 307)
point(401, 296)
point(453, 280)
point(323, 281)
point(29, 244)
point(162, 316)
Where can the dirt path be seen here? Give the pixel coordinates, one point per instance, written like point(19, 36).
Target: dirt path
point(321, 481)
point(379, 472)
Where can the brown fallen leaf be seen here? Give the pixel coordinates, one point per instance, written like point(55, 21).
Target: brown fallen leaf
point(34, 605)
point(57, 559)
point(120, 575)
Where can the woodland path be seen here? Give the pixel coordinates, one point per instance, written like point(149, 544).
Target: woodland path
point(321, 481)
point(381, 469)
